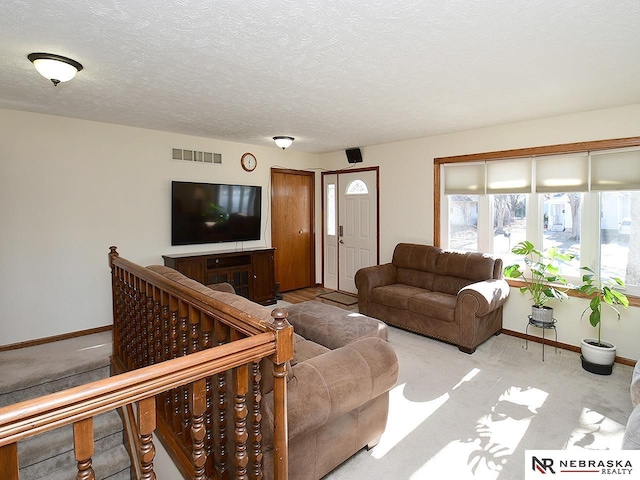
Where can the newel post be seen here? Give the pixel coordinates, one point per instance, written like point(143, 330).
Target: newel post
point(284, 353)
point(113, 253)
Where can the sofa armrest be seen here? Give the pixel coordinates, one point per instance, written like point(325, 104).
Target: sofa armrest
point(631, 439)
point(322, 389)
point(482, 298)
point(635, 385)
point(368, 278)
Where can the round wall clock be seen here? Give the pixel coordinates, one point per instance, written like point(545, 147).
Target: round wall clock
point(249, 162)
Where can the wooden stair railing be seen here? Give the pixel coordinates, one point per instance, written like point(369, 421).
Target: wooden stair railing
point(184, 355)
point(79, 405)
point(157, 320)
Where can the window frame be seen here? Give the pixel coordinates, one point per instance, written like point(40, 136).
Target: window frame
point(439, 199)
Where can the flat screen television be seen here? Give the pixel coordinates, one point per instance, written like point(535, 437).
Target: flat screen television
point(212, 213)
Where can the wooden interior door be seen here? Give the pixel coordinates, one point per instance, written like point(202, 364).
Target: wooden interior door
point(292, 228)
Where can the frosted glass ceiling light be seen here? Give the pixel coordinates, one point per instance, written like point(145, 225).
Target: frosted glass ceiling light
point(283, 142)
point(55, 67)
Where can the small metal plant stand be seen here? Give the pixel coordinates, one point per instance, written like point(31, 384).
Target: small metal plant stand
point(544, 326)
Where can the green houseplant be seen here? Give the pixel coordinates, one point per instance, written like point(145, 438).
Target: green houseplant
point(598, 356)
point(544, 282)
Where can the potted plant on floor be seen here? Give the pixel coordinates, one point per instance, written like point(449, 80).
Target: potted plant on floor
point(544, 282)
point(598, 356)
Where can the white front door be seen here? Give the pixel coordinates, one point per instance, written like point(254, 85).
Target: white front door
point(357, 225)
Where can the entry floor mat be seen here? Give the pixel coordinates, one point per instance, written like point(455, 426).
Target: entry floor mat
point(338, 297)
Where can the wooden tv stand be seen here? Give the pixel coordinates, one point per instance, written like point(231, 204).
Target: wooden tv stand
point(251, 272)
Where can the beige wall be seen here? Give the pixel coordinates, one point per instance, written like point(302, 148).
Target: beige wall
point(406, 197)
point(71, 188)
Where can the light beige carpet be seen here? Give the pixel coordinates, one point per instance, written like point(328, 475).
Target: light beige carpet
point(462, 416)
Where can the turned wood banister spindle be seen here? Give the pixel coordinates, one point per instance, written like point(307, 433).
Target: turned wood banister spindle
point(146, 427)
point(157, 328)
point(220, 333)
point(241, 380)
point(174, 394)
point(137, 341)
point(256, 422)
point(206, 339)
point(9, 461)
point(84, 448)
point(183, 396)
point(194, 330)
point(198, 432)
point(151, 327)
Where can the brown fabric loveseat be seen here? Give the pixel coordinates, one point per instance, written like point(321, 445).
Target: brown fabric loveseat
point(455, 297)
point(337, 383)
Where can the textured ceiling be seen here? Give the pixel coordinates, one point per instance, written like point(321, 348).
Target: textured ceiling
point(333, 74)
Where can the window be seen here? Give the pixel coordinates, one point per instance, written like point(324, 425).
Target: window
point(463, 221)
point(357, 187)
point(331, 209)
point(618, 235)
point(509, 224)
point(561, 214)
point(582, 199)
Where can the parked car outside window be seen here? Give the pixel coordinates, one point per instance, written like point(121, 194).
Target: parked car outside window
point(624, 228)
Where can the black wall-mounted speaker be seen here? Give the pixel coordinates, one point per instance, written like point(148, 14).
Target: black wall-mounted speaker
point(354, 155)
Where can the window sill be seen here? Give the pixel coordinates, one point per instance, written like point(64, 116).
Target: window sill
point(634, 301)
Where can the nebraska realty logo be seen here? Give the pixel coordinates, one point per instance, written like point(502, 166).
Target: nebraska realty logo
point(582, 464)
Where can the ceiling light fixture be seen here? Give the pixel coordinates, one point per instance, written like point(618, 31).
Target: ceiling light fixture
point(55, 67)
point(283, 142)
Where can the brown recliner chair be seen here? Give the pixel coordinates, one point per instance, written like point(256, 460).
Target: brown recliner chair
point(454, 297)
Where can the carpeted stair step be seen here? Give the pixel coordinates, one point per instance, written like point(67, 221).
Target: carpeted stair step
point(46, 453)
point(51, 367)
point(42, 369)
point(112, 464)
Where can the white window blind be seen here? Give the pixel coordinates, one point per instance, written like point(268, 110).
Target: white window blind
point(618, 170)
point(511, 176)
point(464, 178)
point(562, 173)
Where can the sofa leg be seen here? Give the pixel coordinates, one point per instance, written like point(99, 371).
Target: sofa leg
point(373, 443)
point(466, 349)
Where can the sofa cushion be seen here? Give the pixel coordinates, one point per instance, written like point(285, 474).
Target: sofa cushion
point(415, 278)
point(471, 266)
point(434, 304)
point(416, 257)
point(396, 295)
point(449, 285)
point(332, 326)
point(306, 349)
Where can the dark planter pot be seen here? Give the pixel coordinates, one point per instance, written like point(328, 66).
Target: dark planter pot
point(595, 368)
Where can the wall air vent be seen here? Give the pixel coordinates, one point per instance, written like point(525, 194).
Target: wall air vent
point(195, 156)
